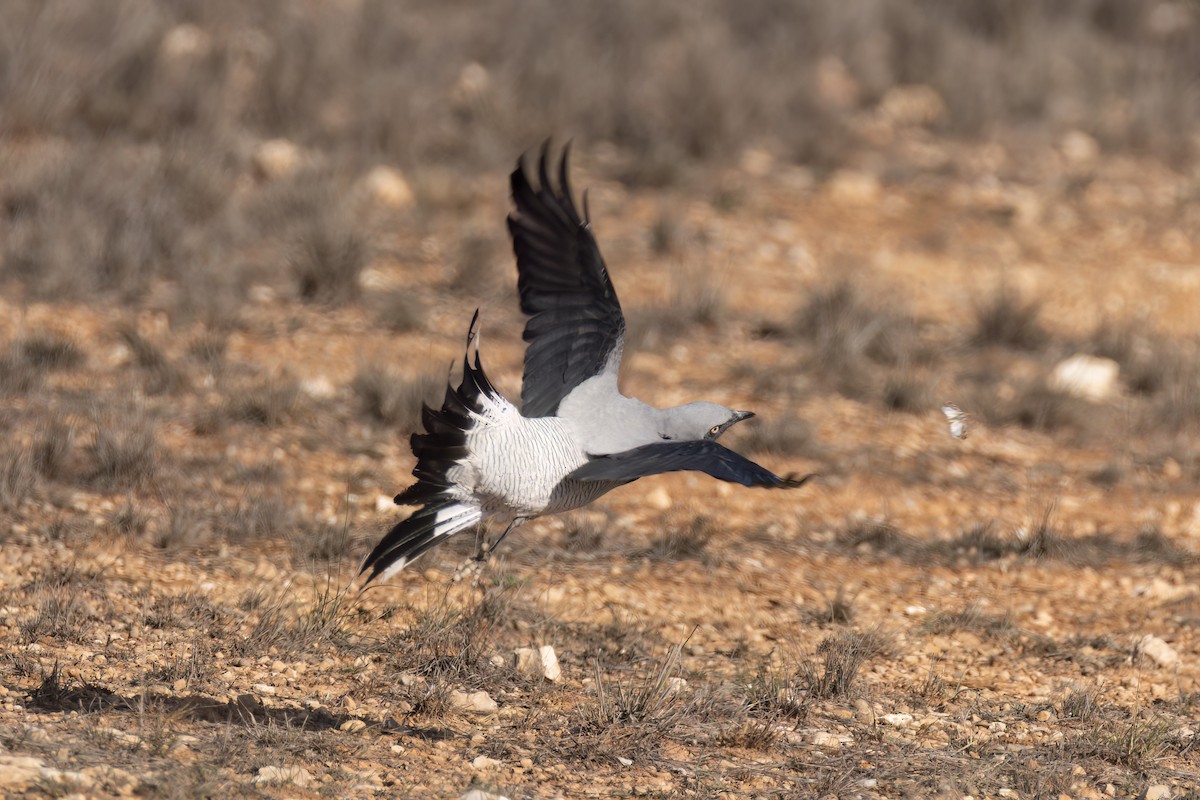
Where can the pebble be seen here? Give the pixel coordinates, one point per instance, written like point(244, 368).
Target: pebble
point(896, 720)
point(274, 776)
point(1157, 791)
point(352, 726)
point(538, 663)
point(387, 187)
point(1158, 651)
point(277, 158)
point(1087, 377)
point(659, 499)
point(483, 762)
point(478, 702)
point(480, 794)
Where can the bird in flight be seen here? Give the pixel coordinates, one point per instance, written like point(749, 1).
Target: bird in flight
point(576, 436)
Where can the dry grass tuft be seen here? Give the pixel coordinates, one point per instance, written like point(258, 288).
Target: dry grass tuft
point(632, 718)
point(327, 262)
point(48, 352)
point(1005, 320)
point(843, 655)
point(18, 477)
point(124, 451)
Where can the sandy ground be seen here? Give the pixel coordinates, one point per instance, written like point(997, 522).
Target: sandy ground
point(1014, 614)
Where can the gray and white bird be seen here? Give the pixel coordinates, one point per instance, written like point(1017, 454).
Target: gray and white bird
point(576, 435)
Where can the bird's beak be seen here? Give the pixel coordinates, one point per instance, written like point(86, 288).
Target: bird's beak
point(739, 416)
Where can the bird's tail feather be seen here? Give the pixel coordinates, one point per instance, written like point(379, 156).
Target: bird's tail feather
point(444, 442)
point(432, 524)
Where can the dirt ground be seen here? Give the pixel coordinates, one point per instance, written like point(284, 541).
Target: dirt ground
point(1013, 614)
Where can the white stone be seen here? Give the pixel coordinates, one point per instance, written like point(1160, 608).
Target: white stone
point(539, 663)
point(352, 726)
point(277, 158)
point(318, 388)
point(480, 794)
point(274, 776)
point(658, 498)
point(896, 720)
point(478, 702)
point(387, 187)
point(827, 739)
point(625, 762)
point(483, 762)
point(1157, 792)
point(676, 684)
point(1158, 651)
point(184, 42)
point(1085, 376)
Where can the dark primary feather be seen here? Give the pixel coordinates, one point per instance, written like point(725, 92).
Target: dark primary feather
point(575, 320)
point(702, 456)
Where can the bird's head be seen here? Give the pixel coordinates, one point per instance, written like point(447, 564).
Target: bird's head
point(695, 421)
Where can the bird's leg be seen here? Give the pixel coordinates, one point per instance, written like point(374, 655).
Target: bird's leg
point(492, 547)
point(473, 566)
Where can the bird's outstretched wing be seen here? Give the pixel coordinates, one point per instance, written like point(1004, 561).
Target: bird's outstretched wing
point(701, 456)
point(575, 329)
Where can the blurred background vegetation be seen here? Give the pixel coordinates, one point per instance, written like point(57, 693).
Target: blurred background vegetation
point(203, 141)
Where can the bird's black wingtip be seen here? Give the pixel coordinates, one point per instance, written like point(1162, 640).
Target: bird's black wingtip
point(790, 481)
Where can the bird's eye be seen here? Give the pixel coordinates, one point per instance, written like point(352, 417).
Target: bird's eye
point(714, 430)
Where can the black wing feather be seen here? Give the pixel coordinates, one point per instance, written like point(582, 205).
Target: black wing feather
point(575, 320)
point(701, 456)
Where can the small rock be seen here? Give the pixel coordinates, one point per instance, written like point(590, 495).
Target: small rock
point(539, 663)
point(263, 688)
point(853, 188)
point(912, 105)
point(896, 720)
point(625, 762)
point(1157, 791)
point(478, 702)
point(480, 794)
point(1085, 376)
point(387, 187)
point(275, 776)
point(277, 158)
point(20, 770)
point(1079, 148)
point(184, 42)
point(863, 711)
point(826, 739)
point(472, 85)
point(318, 388)
point(659, 499)
point(352, 726)
point(1158, 651)
point(1008, 793)
point(483, 762)
point(675, 685)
